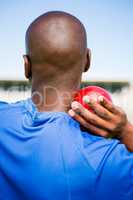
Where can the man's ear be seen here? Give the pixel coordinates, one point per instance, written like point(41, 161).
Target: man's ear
point(88, 60)
point(27, 66)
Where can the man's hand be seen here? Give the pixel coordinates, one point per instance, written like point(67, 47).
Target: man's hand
point(106, 120)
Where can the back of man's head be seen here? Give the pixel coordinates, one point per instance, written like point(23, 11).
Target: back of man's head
point(56, 46)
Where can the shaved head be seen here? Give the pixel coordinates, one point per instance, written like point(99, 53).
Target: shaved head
point(56, 47)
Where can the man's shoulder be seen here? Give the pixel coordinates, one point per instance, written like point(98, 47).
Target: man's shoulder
point(3, 103)
point(117, 171)
point(120, 160)
point(6, 105)
point(10, 110)
point(108, 156)
point(112, 163)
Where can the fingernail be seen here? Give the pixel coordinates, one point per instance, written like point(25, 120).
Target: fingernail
point(71, 113)
point(86, 99)
point(100, 98)
point(75, 105)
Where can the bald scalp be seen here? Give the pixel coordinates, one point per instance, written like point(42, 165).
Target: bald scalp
point(56, 43)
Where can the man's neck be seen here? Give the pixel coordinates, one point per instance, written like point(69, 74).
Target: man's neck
point(51, 98)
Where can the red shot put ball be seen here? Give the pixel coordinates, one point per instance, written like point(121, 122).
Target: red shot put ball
point(91, 92)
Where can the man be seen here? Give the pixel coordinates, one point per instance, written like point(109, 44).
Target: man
point(43, 153)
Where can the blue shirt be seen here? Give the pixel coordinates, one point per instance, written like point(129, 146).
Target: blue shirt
point(45, 156)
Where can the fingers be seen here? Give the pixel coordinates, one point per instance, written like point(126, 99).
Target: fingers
point(108, 105)
point(118, 114)
point(106, 118)
point(90, 117)
point(100, 110)
point(95, 130)
point(104, 108)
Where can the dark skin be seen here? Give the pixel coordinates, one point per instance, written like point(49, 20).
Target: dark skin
point(56, 56)
point(56, 47)
point(107, 120)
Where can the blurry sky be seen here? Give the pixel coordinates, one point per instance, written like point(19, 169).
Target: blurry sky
point(109, 27)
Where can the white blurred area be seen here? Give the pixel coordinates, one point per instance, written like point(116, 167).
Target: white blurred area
point(124, 98)
point(14, 95)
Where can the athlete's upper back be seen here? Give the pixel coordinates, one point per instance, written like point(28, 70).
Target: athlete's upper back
point(46, 156)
